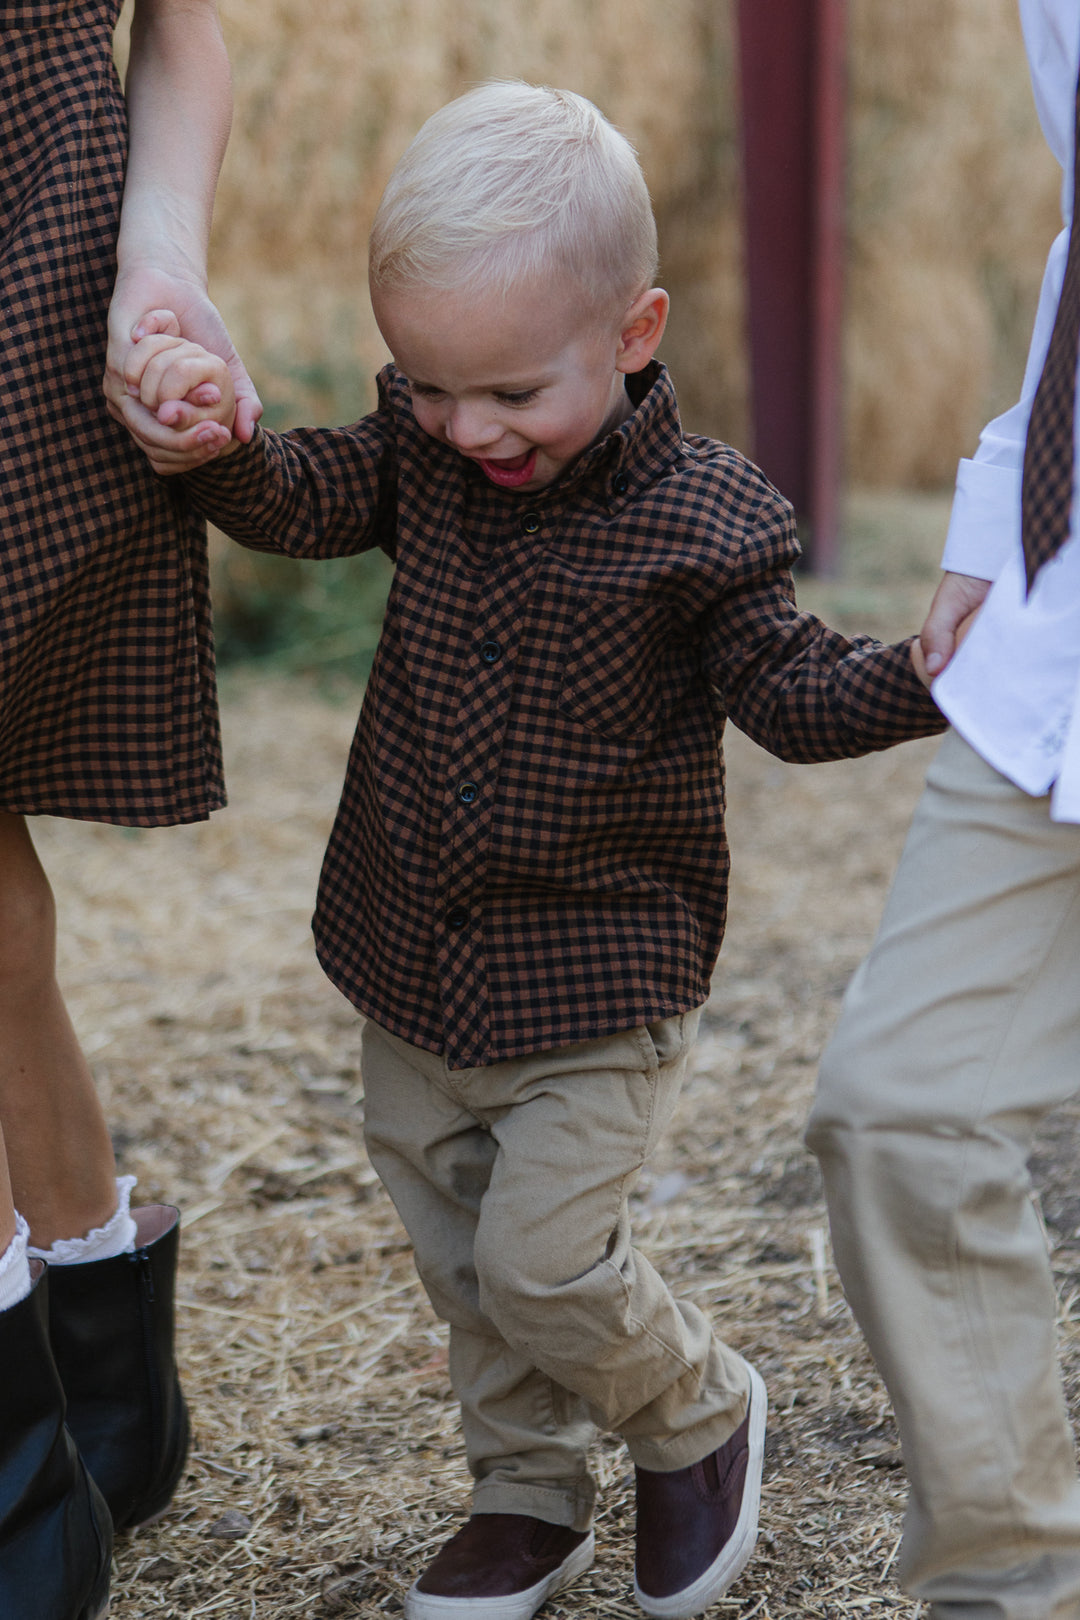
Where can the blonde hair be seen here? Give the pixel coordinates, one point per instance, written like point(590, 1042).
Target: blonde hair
point(512, 182)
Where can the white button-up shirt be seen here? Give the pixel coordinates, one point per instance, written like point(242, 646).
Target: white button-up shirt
point(1013, 688)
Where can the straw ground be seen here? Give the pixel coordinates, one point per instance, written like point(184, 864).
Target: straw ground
point(327, 1463)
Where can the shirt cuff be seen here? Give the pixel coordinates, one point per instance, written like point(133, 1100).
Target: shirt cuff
point(237, 474)
point(984, 528)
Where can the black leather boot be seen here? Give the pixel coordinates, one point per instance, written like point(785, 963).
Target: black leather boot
point(55, 1532)
point(111, 1326)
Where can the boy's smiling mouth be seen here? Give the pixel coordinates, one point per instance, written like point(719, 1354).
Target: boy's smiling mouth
point(510, 473)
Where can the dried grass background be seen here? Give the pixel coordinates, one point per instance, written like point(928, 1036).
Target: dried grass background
point(327, 1462)
point(952, 196)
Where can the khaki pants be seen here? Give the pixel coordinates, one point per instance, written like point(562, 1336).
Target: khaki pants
point(512, 1182)
point(958, 1032)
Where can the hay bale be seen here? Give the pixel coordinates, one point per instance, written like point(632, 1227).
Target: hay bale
point(952, 195)
point(953, 204)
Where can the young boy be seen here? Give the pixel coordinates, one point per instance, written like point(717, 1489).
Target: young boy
point(525, 888)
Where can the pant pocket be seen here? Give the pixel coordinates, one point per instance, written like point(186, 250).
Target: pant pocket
point(672, 1038)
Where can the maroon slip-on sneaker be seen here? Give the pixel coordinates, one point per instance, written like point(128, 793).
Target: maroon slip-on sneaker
point(499, 1566)
point(696, 1527)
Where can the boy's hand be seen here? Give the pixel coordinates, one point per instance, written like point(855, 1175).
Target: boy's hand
point(956, 602)
point(178, 402)
point(919, 660)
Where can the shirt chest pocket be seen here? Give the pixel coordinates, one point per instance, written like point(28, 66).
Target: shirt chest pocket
point(616, 676)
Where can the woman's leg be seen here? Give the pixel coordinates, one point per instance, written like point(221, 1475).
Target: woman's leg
point(59, 1159)
point(7, 1203)
point(125, 1409)
point(55, 1529)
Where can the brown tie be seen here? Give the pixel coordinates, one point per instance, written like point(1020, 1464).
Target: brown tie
point(1048, 454)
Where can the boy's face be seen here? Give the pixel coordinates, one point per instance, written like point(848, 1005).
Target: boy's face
point(520, 385)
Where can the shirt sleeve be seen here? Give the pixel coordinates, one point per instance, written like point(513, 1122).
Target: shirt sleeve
point(801, 690)
point(314, 492)
point(984, 526)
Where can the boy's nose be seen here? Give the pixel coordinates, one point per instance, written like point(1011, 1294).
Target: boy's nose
point(471, 428)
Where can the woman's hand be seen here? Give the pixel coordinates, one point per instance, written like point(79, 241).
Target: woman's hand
point(141, 301)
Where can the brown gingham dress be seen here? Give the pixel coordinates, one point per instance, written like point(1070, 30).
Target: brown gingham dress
point(108, 709)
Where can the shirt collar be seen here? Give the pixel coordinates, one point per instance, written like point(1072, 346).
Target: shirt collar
point(628, 458)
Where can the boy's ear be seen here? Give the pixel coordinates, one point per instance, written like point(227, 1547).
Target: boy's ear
point(641, 329)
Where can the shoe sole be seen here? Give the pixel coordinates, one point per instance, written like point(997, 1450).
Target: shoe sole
point(516, 1606)
point(735, 1553)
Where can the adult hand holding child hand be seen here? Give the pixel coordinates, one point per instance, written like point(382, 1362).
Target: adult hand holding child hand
point(142, 295)
point(178, 399)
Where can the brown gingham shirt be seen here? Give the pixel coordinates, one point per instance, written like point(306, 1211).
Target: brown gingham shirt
point(530, 846)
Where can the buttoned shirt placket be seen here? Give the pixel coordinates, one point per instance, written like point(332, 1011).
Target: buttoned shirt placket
point(491, 623)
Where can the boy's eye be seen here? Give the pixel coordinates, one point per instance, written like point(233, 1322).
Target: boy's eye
point(524, 397)
point(425, 390)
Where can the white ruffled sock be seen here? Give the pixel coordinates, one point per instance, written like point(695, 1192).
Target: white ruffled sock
point(15, 1267)
point(117, 1236)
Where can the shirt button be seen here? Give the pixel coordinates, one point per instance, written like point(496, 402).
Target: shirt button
point(490, 651)
point(468, 792)
point(620, 483)
point(530, 522)
point(457, 916)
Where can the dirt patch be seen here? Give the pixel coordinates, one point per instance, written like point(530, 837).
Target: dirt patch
point(327, 1463)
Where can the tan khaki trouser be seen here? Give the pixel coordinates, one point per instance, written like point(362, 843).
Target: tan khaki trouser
point(512, 1182)
point(958, 1032)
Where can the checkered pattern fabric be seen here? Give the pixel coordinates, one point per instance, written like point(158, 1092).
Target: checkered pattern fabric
point(107, 701)
point(1049, 451)
point(530, 845)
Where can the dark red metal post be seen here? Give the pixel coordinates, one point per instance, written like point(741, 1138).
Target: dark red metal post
point(791, 62)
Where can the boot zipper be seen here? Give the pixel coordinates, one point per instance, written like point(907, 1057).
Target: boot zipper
point(147, 1296)
point(146, 1273)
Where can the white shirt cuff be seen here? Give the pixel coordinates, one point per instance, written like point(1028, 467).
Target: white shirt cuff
point(984, 528)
